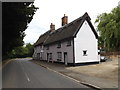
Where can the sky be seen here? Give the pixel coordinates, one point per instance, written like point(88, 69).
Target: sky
point(51, 11)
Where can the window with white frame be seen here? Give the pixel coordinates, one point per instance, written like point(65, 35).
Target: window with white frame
point(49, 56)
point(47, 47)
point(59, 54)
point(59, 45)
point(69, 43)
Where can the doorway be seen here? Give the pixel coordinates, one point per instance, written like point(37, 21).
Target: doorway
point(48, 57)
point(65, 58)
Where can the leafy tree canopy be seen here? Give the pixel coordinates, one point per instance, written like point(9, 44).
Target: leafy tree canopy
point(22, 51)
point(15, 18)
point(30, 49)
point(109, 28)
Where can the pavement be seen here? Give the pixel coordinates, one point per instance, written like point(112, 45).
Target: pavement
point(96, 82)
point(21, 73)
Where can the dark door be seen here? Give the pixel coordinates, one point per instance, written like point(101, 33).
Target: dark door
point(48, 57)
point(65, 58)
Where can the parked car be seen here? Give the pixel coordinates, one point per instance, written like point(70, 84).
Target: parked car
point(103, 58)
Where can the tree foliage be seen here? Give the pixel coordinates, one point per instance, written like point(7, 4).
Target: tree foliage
point(30, 48)
point(22, 51)
point(15, 18)
point(109, 29)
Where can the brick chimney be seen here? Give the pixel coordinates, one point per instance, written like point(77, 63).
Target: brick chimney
point(52, 27)
point(64, 20)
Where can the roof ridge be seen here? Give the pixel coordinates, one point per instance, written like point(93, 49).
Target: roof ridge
point(64, 32)
point(66, 25)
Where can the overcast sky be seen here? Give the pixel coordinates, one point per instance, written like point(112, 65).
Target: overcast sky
point(51, 11)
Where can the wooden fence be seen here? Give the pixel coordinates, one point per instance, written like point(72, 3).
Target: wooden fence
point(110, 53)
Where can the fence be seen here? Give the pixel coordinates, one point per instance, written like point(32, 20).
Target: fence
point(110, 53)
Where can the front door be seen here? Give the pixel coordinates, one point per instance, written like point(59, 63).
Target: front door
point(65, 58)
point(48, 57)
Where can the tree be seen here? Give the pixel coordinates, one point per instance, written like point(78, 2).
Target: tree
point(109, 28)
point(30, 48)
point(22, 51)
point(15, 18)
point(19, 52)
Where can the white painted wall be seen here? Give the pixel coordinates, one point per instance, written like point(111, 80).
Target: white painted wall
point(53, 49)
point(64, 48)
point(85, 40)
point(37, 49)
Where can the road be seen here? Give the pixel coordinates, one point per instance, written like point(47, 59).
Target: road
point(22, 73)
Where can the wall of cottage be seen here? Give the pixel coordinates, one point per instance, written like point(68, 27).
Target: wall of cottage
point(86, 47)
point(53, 48)
point(84, 41)
point(37, 50)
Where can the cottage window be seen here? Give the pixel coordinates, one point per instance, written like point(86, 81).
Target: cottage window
point(40, 47)
point(69, 43)
point(84, 52)
point(38, 55)
point(49, 56)
point(47, 47)
point(59, 45)
point(59, 56)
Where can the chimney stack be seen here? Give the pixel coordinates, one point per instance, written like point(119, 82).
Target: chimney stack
point(52, 27)
point(64, 20)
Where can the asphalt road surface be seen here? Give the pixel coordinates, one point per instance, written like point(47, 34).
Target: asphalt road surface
point(22, 73)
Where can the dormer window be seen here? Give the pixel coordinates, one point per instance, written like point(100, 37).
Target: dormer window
point(59, 45)
point(69, 43)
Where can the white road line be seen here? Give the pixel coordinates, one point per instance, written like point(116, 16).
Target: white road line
point(28, 79)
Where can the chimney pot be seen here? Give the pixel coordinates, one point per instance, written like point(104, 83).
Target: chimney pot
point(52, 27)
point(64, 20)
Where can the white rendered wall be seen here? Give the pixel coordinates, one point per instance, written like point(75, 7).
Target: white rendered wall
point(37, 49)
point(85, 40)
point(64, 48)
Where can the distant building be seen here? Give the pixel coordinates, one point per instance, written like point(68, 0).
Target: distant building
point(74, 42)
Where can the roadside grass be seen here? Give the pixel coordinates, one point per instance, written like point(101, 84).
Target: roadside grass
point(5, 62)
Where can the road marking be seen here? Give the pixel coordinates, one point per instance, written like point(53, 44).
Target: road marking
point(28, 79)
